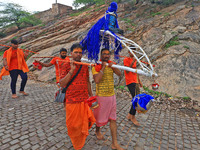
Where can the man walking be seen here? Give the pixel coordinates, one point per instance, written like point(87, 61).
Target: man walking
point(132, 82)
point(106, 112)
point(79, 117)
point(57, 62)
point(15, 64)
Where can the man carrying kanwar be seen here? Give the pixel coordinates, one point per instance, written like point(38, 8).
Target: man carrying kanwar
point(106, 112)
point(57, 62)
point(79, 117)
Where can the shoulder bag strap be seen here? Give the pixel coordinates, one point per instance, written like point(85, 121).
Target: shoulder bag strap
point(64, 89)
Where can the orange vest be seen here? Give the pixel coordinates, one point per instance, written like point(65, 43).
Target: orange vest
point(21, 62)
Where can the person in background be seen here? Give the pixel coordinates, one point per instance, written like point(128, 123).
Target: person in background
point(132, 82)
point(14, 65)
point(57, 63)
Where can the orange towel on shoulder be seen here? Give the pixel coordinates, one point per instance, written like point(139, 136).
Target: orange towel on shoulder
point(21, 62)
point(78, 116)
point(99, 66)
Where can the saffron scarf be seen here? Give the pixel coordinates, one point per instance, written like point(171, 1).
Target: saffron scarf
point(99, 66)
point(21, 62)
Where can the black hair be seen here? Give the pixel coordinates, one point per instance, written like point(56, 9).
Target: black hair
point(76, 45)
point(63, 50)
point(14, 42)
point(104, 49)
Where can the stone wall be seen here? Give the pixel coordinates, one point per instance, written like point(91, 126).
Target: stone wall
point(59, 9)
point(45, 16)
point(56, 10)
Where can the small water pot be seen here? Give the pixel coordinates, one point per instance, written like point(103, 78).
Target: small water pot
point(155, 86)
point(92, 102)
point(142, 110)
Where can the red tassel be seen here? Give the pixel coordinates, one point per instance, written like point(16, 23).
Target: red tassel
point(36, 65)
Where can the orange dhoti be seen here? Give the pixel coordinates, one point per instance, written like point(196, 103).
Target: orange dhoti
point(79, 119)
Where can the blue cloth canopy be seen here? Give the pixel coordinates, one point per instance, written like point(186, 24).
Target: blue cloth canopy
point(92, 42)
point(142, 100)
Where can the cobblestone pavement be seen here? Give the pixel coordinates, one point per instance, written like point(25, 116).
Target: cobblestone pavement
point(36, 122)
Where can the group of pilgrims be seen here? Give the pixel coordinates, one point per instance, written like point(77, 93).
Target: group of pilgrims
point(79, 116)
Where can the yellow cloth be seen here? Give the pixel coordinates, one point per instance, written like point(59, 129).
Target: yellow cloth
point(79, 119)
point(21, 62)
point(106, 85)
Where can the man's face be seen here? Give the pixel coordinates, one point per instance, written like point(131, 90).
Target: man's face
point(63, 55)
point(14, 46)
point(105, 55)
point(77, 54)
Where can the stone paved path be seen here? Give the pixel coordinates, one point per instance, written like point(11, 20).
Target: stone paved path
point(36, 122)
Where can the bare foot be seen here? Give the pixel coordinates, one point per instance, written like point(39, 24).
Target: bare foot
point(14, 96)
point(25, 94)
point(129, 116)
point(116, 146)
point(135, 122)
point(99, 136)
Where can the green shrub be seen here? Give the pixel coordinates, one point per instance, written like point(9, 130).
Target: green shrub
point(131, 29)
point(168, 2)
point(41, 25)
point(174, 32)
point(75, 14)
point(2, 34)
point(1, 53)
point(15, 37)
point(166, 14)
point(98, 9)
point(30, 20)
point(121, 87)
point(137, 15)
point(23, 47)
point(186, 98)
point(129, 21)
point(172, 42)
point(13, 14)
point(155, 93)
point(167, 95)
point(187, 47)
point(154, 14)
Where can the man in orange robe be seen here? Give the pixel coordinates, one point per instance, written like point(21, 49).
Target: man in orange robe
point(58, 64)
point(14, 65)
point(79, 117)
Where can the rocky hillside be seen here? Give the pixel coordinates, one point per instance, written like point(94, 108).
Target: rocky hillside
point(169, 35)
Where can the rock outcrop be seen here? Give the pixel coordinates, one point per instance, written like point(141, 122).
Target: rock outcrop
point(155, 28)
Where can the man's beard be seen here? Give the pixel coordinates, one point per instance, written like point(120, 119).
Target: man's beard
point(105, 59)
point(63, 57)
point(14, 47)
point(78, 59)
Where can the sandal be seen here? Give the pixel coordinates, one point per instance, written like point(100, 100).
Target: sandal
point(24, 93)
point(14, 96)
